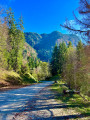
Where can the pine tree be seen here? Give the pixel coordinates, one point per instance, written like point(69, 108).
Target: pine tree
point(69, 44)
point(61, 56)
point(15, 41)
point(19, 44)
point(80, 51)
point(54, 61)
point(11, 39)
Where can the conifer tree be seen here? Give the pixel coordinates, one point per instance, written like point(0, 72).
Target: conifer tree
point(19, 44)
point(61, 56)
point(15, 41)
point(69, 44)
point(80, 51)
point(11, 39)
point(54, 61)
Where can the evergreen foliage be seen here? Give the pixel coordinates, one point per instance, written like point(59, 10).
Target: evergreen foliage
point(70, 62)
point(33, 62)
point(15, 41)
point(61, 56)
point(54, 61)
point(58, 58)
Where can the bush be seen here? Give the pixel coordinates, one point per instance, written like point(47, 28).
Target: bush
point(41, 72)
point(13, 78)
point(28, 78)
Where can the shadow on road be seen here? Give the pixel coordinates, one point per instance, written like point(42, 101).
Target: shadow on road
point(14, 101)
point(34, 103)
point(43, 106)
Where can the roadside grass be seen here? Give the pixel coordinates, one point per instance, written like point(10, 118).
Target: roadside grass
point(73, 101)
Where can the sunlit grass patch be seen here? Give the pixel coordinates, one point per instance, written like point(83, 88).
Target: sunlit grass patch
point(73, 101)
point(59, 87)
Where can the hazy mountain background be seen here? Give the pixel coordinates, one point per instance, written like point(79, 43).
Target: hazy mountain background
point(44, 43)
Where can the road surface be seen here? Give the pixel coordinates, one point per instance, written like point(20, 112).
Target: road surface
point(36, 102)
point(14, 101)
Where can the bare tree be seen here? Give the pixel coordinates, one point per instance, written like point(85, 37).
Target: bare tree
point(84, 22)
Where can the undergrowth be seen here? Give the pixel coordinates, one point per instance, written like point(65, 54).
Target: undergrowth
point(73, 101)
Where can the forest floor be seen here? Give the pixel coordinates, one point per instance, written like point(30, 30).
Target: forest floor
point(42, 106)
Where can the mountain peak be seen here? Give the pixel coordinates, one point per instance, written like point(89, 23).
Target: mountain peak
point(44, 43)
point(56, 32)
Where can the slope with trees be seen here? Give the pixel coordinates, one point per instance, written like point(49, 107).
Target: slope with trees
point(82, 57)
point(70, 62)
point(44, 43)
point(16, 56)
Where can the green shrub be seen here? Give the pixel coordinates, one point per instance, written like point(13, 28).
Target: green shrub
point(41, 72)
point(13, 78)
point(28, 78)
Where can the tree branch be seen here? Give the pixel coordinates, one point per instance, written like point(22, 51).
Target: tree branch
point(67, 27)
point(80, 22)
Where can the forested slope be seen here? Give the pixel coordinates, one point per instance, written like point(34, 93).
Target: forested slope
point(44, 43)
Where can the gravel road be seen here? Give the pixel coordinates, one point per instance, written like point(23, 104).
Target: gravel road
point(44, 107)
point(14, 101)
point(36, 102)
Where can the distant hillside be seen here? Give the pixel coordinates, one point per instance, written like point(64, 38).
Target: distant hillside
point(32, 38)
point(44, 43)
point(28, 51)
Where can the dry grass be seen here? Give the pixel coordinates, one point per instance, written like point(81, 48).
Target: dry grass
point(4, 74)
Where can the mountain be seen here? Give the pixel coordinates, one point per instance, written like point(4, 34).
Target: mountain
point(28, 51)
point(44, 43)
point(32, 38)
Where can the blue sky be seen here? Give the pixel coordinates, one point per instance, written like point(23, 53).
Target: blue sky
point(42, 16)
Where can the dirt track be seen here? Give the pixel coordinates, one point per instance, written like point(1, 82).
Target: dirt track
point(44, 107)
point(14, 101)
point(36, 102)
